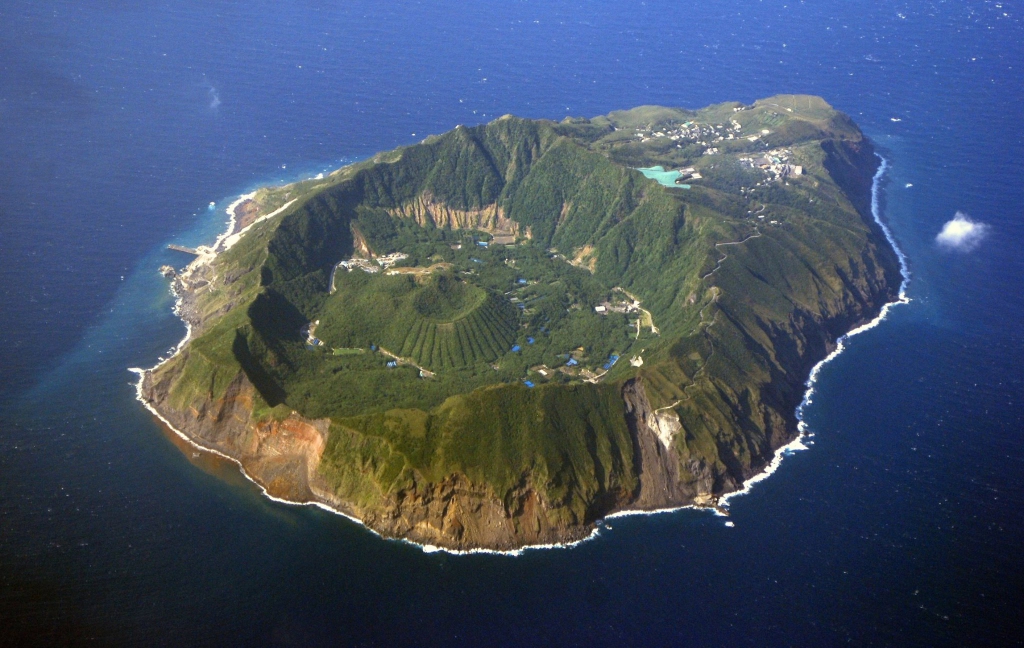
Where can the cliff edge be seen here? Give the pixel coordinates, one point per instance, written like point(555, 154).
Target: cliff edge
point(503, 334)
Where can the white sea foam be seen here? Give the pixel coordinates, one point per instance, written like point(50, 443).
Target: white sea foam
point(803, 432)
point(801, 441)
point(188, 336)
point(426, 548)
point(231, 218)
point(659, 511)
point(225, 243)
point(505, 552)
point(138, 395)
point(901, 299)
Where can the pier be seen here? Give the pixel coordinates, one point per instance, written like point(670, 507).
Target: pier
point(182, 248)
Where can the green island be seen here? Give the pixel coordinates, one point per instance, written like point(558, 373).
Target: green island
point(498, 336)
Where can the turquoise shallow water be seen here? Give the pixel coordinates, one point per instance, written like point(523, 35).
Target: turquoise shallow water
point(667, 178)
point(898, 526)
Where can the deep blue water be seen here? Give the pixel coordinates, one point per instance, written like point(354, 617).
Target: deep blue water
point(121, 121)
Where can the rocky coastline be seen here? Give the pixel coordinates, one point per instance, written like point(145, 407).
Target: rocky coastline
point(284, 457)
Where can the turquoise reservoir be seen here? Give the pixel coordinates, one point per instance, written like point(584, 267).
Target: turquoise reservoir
point(667, 178)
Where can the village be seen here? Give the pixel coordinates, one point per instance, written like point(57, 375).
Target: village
point(775, 165)
point(705, 135)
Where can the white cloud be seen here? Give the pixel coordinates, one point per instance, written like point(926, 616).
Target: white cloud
point(962, 233)
point(214, 97)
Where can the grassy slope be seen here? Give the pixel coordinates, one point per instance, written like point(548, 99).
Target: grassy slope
point(570, 441)
point(719, 348)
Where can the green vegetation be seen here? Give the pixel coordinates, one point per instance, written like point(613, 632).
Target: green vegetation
point(441, 323)
point(571, 438)
point(735, 325)
point(347, 351)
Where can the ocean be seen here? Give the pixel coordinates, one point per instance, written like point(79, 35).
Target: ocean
point(899, 525)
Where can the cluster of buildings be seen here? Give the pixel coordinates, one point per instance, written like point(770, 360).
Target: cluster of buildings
point(512, 296)
point(626, 306)
point(705, 135)
point(688, 174)
point(775, 165)
point(309, 332)
point(373, 266)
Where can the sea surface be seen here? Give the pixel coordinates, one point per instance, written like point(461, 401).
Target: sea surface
point(120, 122)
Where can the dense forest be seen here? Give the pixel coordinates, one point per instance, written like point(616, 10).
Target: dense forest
point(503, 285)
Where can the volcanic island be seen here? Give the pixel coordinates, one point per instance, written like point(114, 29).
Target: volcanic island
point(501, 335)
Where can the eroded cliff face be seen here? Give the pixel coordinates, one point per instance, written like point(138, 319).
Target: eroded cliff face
point(284, 457)
point(360, 246)
point(456, 514)
point(654, 454)
point(707, 442)
point(281, 456)
point(426, 210)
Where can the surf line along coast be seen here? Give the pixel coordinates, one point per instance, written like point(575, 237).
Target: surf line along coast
point(652, 437)
point(205, 256)
point(805, 433)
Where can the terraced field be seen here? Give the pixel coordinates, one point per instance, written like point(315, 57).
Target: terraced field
point(441, 323)
point(481, 335)
point(518, 450)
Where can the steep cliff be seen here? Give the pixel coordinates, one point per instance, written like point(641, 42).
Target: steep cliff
point(523, 397)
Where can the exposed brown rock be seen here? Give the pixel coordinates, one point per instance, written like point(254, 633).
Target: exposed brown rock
point(284, 456)
point(246, 213)
point(425, 210)
point(359, 245)
point(657, 462)
point(281, 456)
